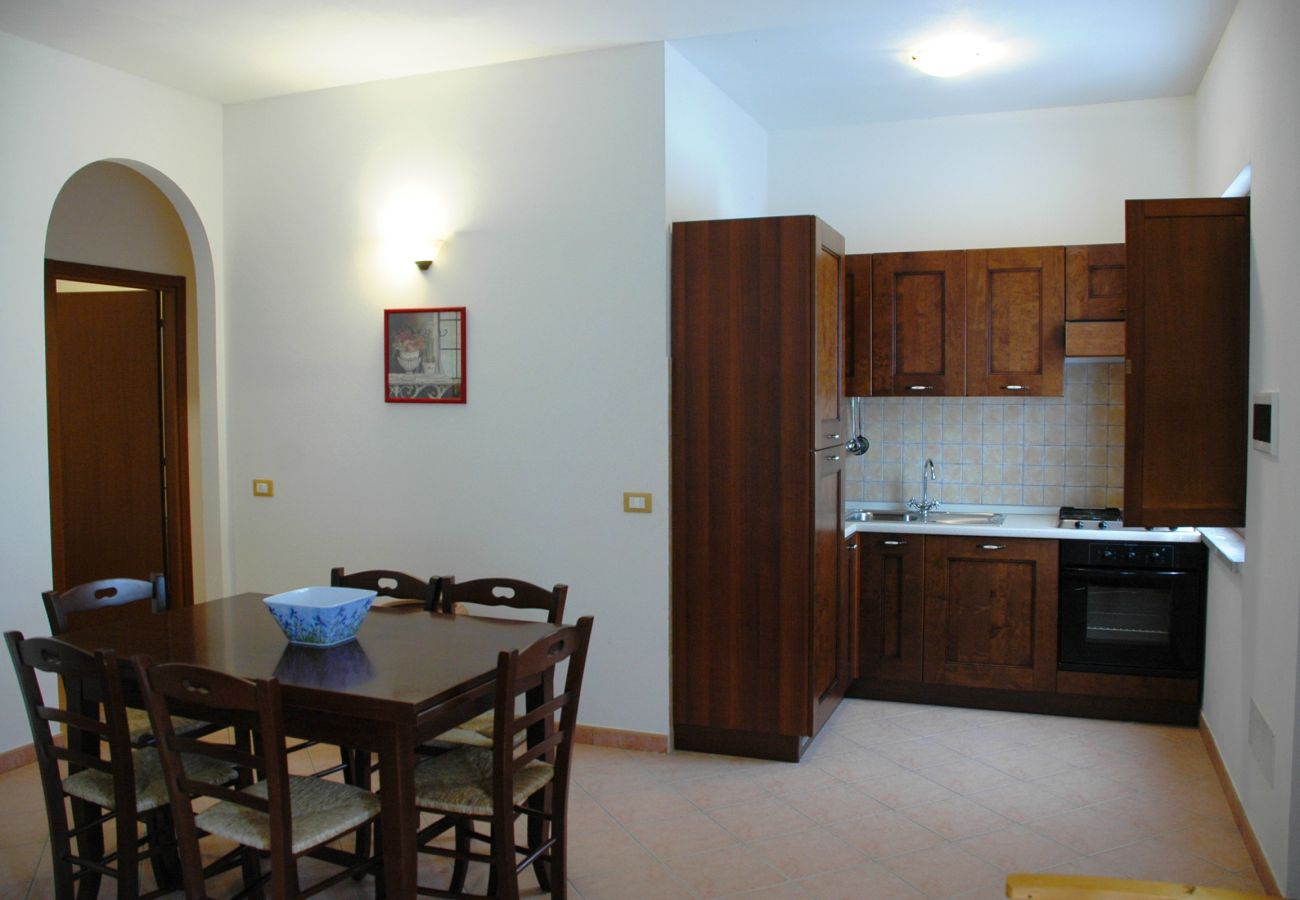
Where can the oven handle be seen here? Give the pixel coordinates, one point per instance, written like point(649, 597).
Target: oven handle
point(1127, 573)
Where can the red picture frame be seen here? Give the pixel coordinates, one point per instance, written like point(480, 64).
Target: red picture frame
point(424, 355)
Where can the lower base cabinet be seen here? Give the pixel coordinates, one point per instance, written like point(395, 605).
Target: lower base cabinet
point(891, 582)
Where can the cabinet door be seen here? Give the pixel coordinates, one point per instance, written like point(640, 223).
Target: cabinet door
point(1094, 282)
point(829, 651)
point(918, 324)
point(990, 612)
point(892, 605)
point(1185, 395)
point(1015, 322)
point(857, 325)
point(828, 339)
point(849, 597)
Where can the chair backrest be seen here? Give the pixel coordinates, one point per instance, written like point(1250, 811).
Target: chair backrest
point(387, 583)
point(519, 672)
point(93, 713)
point(508, 592)
point(177, 688)
point(97, 595)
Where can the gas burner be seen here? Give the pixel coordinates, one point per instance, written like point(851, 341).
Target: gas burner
point(1090, 517)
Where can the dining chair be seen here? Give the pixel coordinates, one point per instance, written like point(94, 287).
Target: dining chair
point(78, 605)
point(511, 593)
point(471, 784)
point(395, 590)
point(269, 811)
point(126, 787)
point(1035, 886)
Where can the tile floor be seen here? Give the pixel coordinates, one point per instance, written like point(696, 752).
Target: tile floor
point(892, 801)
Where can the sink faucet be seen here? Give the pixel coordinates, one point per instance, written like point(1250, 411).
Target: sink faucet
point(925, 504)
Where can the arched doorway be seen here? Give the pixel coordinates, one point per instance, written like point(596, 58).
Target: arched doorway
point(118, 290)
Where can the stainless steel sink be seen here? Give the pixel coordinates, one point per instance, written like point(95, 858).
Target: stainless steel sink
point(934, 518)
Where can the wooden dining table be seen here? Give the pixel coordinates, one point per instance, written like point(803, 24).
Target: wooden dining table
point(409, 676)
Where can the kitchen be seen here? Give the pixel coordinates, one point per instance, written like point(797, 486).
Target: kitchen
point(1020, 179)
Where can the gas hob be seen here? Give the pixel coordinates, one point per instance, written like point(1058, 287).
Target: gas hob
point(1100, 518)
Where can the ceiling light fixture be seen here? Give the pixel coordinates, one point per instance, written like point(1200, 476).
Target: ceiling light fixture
point(950, 54)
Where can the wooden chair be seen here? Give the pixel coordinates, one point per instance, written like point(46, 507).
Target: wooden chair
point(472, 784)
point(127, 787)
point(278, 814)
point(396, 590)
point(1026, 886)
point(494, 592)
point(64, 609)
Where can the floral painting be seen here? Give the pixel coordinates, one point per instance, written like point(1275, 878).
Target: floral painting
point(424, 355)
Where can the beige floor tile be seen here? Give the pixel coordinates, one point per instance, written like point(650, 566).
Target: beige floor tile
point(721, 790)
point(759, 819)
point(786, 890)
point(807, 853)
point(18, 864)
point(723, 872)
point(866, 882)
point(919, 753)
point(644, 803)
point(785, 780)
point(1148, 814)
point(877, 731)
point(682, 835)
point(835, 802)
point(645, 880)
point(860, 767)
point(956, 818)
point(907, 789)
point(1028, 763)
point(982, 742)
point(1083, 786)
point(944, 871)
point(968, 777)
point(1018, 849)
point(1023, 802)
point(1218, 842)
point(1087, 830)
point(1153, 860)
point(885, 835)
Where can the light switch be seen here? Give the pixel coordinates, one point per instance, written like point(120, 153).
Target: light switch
point(636, 502)
point(263, 487)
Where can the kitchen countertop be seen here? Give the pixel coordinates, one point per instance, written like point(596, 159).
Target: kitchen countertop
point(1022, 522)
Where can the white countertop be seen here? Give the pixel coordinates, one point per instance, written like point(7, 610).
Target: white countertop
point(1021, 521)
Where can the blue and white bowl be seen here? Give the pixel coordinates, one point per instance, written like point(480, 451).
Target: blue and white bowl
point(320, 616)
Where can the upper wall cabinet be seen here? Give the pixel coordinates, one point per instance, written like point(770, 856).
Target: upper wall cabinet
point(1015, 322)
point(1185, 393)
point(918, 323)
point(1094, 283)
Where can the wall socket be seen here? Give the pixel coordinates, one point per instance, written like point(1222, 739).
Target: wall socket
point(263, 487)
point(636, 502)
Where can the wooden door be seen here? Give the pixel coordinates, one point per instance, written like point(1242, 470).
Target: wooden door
point(116, 411)
point(829, 614)
point(918, 324)
point(1015, 322)
point(857, 325)
point(990, 612)
point(828, 339)
point(1186, 391)
point(893, 606)
point(1094, 282)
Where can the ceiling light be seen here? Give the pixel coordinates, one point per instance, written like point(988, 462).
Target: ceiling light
point(950, 54)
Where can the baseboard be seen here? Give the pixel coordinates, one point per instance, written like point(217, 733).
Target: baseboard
point(17, 758)
point(644, 741)
point(1239, 814)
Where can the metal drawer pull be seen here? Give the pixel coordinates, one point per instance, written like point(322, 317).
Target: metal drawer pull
point(1014, 387)
point(992, 546)
point(831, 458)
point(893, 543)
point(833, 437)
point(920, 387)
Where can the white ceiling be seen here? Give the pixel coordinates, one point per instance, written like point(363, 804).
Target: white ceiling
point(789, 63)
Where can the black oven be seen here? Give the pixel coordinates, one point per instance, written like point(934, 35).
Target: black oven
point(1132, 608)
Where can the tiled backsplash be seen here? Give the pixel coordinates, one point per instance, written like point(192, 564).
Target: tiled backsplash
point(1035, 451)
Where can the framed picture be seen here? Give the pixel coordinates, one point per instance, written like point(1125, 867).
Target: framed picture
point(424, 355)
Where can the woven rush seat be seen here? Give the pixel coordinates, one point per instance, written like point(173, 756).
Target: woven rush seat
point(461, 782)
point(137, 722)
point(96, 786)
point(321, 811)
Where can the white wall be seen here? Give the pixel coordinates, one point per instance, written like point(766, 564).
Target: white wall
point(716, 153)
point(1052, 176)
point(60, 114)
point(547, 179)
point(1247, 111)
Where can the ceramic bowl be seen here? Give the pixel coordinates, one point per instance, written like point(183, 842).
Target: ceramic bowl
point(320, 616)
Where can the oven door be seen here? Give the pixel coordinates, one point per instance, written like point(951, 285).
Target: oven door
point(1131, 622)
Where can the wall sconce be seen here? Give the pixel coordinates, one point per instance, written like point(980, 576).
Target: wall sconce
point(433, 248)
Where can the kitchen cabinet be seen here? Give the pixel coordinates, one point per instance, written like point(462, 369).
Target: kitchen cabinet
point(1095, 283)
point(990, 612)
point(850, 594)
point(918, 324)
point(857, 325)
point(1015, 322)
point(759, 638)
point(891, 603)
point(1188, 277)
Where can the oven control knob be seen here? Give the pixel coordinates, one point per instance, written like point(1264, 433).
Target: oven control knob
point(1107, 554)
point(1133, 554)
point(1103, 524)
point(1078, 523)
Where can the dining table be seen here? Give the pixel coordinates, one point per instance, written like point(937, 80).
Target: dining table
point(409, 676)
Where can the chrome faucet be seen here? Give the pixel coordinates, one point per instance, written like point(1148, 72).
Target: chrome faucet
point(925, 504)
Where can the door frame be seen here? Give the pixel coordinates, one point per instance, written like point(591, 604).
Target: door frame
point(175, 419)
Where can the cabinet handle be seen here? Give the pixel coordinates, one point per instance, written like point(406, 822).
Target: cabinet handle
point(893, 543)
point(833, 437)
point(831, 458)
point(1014, 387)
point(992, 546)
point(920, 387)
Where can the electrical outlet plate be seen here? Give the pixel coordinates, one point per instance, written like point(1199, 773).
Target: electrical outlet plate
point(263, 487)
point(637, 502)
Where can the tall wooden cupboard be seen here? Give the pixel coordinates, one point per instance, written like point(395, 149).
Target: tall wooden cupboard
point(761, 629)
